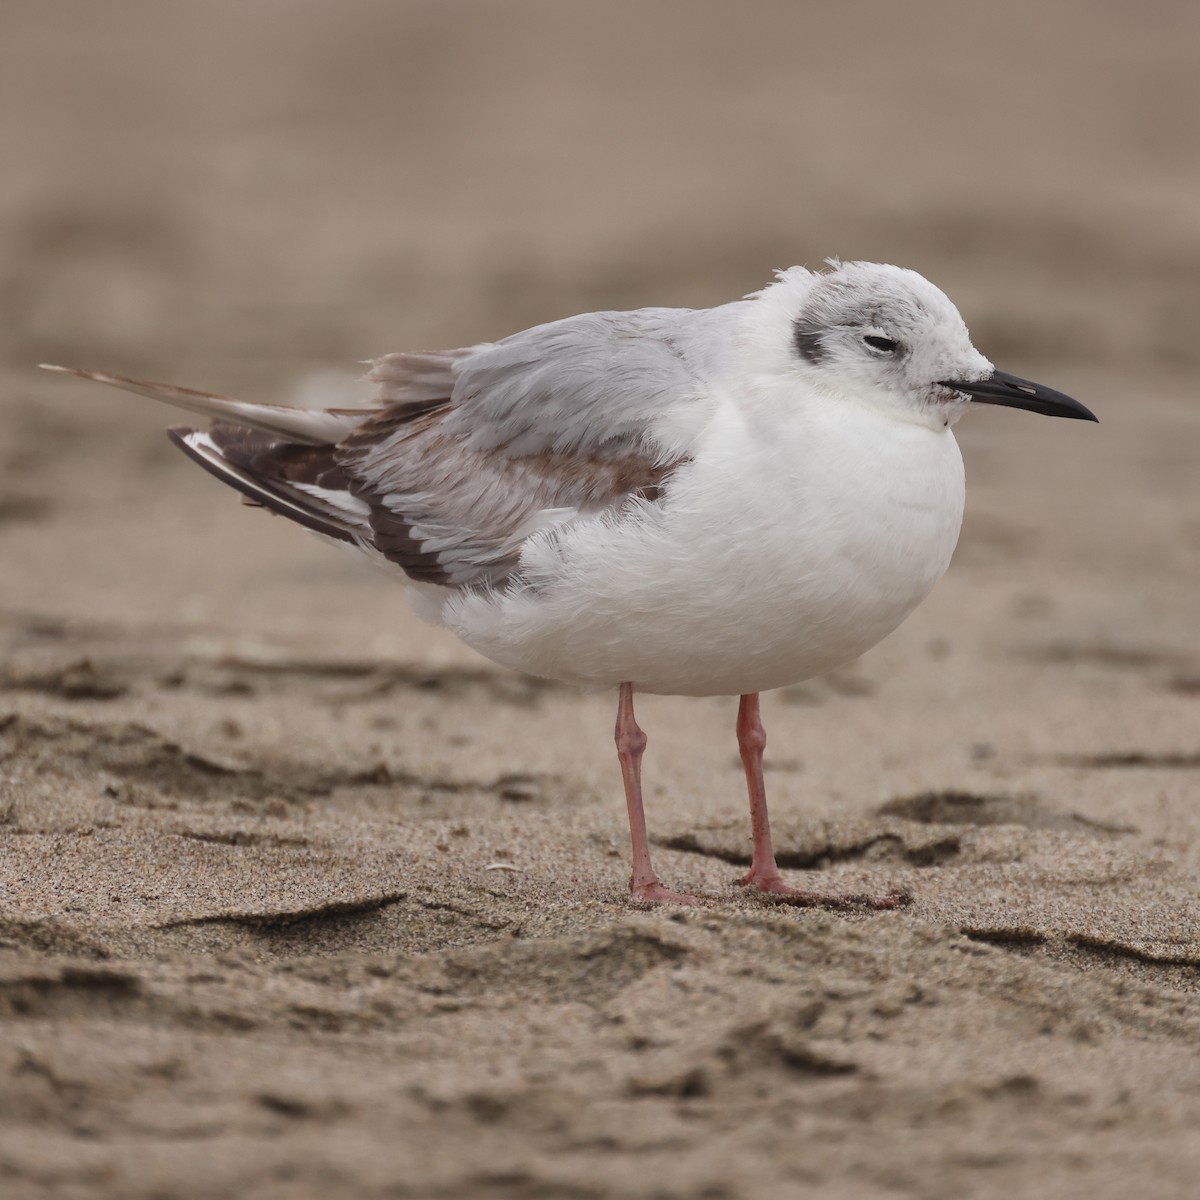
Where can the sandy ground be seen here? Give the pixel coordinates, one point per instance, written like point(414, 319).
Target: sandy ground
point(300, 898)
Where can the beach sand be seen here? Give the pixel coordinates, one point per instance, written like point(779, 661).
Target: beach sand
point(298, 897)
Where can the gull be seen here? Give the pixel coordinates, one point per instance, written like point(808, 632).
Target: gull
point(690, 502)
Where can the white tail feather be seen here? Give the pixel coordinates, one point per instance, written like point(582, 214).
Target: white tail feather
point(310, 427)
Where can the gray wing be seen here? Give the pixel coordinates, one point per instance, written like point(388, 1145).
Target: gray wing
point(595, 383)
point(472, 451)
point(468, 452)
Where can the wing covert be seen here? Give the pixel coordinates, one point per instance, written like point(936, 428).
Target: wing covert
point(472, 451)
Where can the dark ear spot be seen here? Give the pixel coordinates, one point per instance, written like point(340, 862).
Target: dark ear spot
point(807, 338)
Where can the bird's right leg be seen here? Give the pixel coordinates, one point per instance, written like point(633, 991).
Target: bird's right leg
point(764, 870)
point(644, 883)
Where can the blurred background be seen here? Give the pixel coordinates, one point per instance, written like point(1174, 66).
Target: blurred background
point(253, 197)
point(206, 716)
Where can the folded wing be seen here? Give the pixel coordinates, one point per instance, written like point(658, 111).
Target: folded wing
point(465, 454)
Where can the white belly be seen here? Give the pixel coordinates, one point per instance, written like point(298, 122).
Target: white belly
point(772, 560)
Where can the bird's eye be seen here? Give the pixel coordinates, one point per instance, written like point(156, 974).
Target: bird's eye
point(881, 343)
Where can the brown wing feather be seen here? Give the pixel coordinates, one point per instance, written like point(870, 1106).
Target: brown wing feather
point(430, 499)
point(455, 516)
point(271, 474)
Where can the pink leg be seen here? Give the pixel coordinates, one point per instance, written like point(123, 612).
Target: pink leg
point(752, 741)
point(644, 884)
point(764, 871)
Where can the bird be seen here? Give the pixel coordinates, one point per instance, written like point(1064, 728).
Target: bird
point(689, 502)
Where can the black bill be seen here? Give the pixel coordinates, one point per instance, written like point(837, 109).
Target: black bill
point(1013, 392)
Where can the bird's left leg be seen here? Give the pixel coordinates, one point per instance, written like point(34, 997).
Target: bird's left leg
point(764, 870)
point(644, 883)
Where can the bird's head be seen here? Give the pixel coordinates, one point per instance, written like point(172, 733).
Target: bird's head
point(887, 336)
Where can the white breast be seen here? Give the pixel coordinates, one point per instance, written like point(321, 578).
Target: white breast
point(784, 550)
